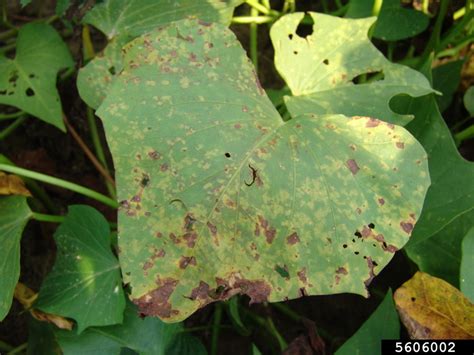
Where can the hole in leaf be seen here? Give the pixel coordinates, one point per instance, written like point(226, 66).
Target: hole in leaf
point(353, 240)
point(295, 52)
point(305, 27)
point(326, 61)
point(344, 246)
point(358, 234)
point(374, 263)
point(356, 253)
point(112, 70)
point(29, 92)
point(13, 77)
point(413, 299)
point(371, 225)
point(31, 76)
point(3, 92)
point(290, 36)
point(368, 77)
point(227, 155)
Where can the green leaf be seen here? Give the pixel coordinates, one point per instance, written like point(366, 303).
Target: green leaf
point(28, 81)
point(62, 6)
point(319, 69)
point(382, 324)
point(395, 22)
point(448, 169)
point(41, 338)
point(218, 192)
point(360, 8)
point(122, 20)
point(467, 265)
point(469, 100)
point(14, 214)
point(145, 336)
point(440, 255)
point(25, 2)
point(85, 282)
point(446, 79)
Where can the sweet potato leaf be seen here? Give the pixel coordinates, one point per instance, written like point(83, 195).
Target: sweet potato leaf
point(144, 336)
point(469, 100)
point(28, 81)
point(466, 278)
point(14, 214)
point(320, 69)
point(123, 20)
point(382, 324)
point(430, 308)
point(85, 282)
point(220, 196)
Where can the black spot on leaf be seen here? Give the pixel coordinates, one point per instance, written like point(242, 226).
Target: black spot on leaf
point(30, 92)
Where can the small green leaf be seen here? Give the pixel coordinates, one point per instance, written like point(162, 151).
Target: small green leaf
point(446, 79)
point(123, 20)
point(469, 100)
point(382, 324)
point(62, 6)
point(440, 254)
point(25, 2)
point(395, 22)
point(28, 81)
point(467, 265)
point(85, 282)
point(233, 191)
point(148, 336)
point(14, 214)
point(320, 69)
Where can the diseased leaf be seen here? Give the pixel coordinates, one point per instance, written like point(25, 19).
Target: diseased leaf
point(220, 196)
point(28, 81)
point(382, 324)
point(85, 282)
point(14, 214)
point(446, 79)
point(144, 336)
point(443, 203)
point(440, 254)
point(395, 22)
point(467, 265)
point(320, 69)
point(123, 20)
point(12, 185)
point(430, 308)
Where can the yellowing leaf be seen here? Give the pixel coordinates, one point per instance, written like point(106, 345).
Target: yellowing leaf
point(12, 185)
point(26, 296)
point(430, 308)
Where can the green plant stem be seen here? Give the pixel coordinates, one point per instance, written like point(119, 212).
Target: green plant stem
point(204, 328)
point(456, 30)
point(60, 183)
point(7, 48)
point(266, 3)
point(10, 116)
point(289, 6)
point(47, 218)
point(216, 324)
point(99, 150)
point(254, 40)
point(243, 20)
point(453, 52)
point(325, 6)
point(281, 341)
point(18, 349)
point(434, 40)
point(464, 134)
point(262, 322)
point(8, 34)
point(5, 347)
point(12, 127)
point(262, 8)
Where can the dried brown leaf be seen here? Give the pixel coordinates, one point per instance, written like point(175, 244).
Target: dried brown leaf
point(12, 185)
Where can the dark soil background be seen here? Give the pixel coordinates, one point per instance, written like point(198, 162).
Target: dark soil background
point(43, 148)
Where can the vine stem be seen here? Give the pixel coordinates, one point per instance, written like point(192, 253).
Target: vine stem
point(47, 218)
point(61, 183)
point(88, 152)
point(252, 19)
point(216, 324)
point(12, 127)
point(254, 40)
point(434, 41)
point(18, 349)
point(10, 116)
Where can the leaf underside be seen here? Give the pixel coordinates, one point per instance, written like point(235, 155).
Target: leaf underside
point(220, 196)
point(320, 69)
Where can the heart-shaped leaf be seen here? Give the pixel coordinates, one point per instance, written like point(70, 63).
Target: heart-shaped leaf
point(14, 214)
point(219, 195)
point(123, 20)
point(29, 81)
point(466, 277)
point(320, 69)
point(85, 282)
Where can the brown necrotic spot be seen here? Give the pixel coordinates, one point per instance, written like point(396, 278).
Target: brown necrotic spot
point(200, 292)
point(371, 267)
point(147, 265)
point(155, 303)
point(341, 270)
point(293, 238)
point(406, 226)
point(164, 167)
point(372, 122)
point(381, 201)
point(257, 290)
point(352, 165)
point(184, 261)
point(212, 229)
point(188, 222)
point(154, 155)
point(190, 239)
point(400, 145)
point(302, 275)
